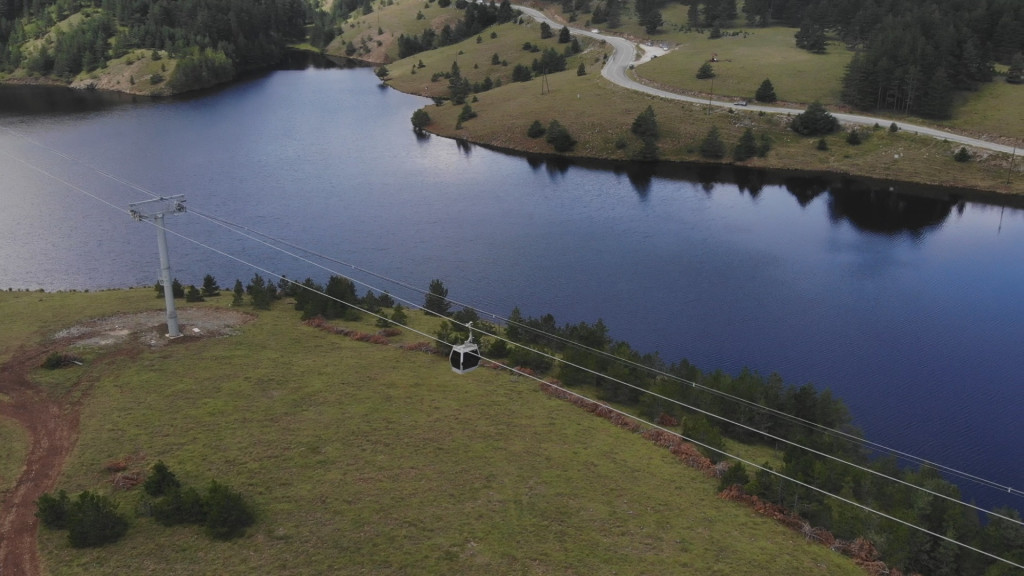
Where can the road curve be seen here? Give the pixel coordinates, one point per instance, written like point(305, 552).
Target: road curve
point(625, 53)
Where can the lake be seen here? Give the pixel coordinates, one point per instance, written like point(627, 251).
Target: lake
point(906, 303)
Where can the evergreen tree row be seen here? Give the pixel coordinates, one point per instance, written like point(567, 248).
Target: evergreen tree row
point(476, 18)
point(901, 546)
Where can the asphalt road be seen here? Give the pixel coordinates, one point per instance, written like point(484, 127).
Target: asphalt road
point(625, 52)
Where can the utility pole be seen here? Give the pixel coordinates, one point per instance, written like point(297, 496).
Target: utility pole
point(155, 210)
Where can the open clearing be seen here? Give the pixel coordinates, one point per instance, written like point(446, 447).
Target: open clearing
point(745, 60)
point(368, 458)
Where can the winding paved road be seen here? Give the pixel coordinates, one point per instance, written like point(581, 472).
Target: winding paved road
point(625, 54)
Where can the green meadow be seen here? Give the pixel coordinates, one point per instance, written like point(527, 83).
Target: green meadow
point(599, 114)
point(745, 58)
point(364, 458)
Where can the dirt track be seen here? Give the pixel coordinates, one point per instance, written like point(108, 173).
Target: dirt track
point(52, 428)
point(52, 423)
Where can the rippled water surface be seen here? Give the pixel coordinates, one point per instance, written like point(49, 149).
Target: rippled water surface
point(907, 307)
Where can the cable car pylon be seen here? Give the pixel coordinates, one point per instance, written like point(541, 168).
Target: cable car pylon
point(154, 210)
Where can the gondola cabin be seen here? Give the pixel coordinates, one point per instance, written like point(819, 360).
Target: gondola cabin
point(465, 357)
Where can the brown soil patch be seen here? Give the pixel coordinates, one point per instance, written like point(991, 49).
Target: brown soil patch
point(52, 423)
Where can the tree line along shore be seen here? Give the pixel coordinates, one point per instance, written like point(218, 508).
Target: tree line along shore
point(516, 72)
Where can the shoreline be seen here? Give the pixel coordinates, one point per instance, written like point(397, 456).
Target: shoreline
point(1004, 195)
point(938, 192)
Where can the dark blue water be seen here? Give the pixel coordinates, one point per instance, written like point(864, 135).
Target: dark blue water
point(907, 307)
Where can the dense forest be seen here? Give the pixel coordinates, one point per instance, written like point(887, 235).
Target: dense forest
point(213, 39)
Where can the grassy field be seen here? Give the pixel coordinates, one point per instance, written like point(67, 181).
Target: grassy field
point(745, 60)
point(996, 109)
point(362, 458)
point(599, 115)
point(409, 17)
point(31, 318)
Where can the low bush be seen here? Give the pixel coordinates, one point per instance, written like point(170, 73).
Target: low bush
point(536, 130)
point(160, 480)
point(180, 506)
point(227, 512)
point(52, 511)
point(93, 521)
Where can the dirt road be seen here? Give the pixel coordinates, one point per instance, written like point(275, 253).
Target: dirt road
point(51, 423)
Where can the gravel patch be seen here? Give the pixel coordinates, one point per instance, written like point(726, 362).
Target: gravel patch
point(150, 328)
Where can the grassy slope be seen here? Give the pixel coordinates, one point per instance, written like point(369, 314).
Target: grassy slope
point(368, 459)
point(744, 61)
point(30, 318)
point(130, 73)
point(996, 109)
point(597, 113)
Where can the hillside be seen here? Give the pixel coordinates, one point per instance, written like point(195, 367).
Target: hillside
point(163, 48)
point(367, 458)
point(598, 115)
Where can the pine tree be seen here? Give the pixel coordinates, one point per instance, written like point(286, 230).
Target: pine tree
point(705, 71)
point(558, 136)
point(814, 121)
point(437, 298)
point(712, 146)
point(193, 294)
point(238, 294)
point(210, 287)
point(645, 125)
point(937, 100)
point(766, 92)
point(536, 130)
point(693, 15)
point(653, 21)
point(564, 37)
point(747, 146)
point(648, 152)
point(257, 291)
